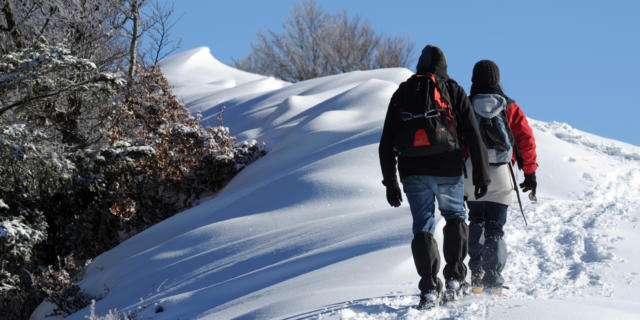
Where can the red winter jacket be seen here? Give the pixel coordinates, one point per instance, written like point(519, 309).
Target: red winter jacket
point(524, 138)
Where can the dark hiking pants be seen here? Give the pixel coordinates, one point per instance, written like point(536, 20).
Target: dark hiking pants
point(487, 249)
point(455, 237)
point(427, 259)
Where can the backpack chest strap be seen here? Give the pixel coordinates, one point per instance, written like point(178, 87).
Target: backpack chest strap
point(407, 116)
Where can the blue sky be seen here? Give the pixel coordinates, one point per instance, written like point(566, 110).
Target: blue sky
point(569, 61)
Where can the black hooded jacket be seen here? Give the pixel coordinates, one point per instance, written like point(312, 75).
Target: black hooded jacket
point(447, 164)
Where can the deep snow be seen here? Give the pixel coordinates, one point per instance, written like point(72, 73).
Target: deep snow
point(306, 233)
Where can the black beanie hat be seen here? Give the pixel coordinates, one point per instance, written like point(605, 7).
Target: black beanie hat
point(432, 59)
point(486, 74)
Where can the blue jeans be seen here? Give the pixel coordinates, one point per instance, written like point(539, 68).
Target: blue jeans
point(421, 192)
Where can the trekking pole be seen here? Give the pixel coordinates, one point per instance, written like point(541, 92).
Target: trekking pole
point(515, 186)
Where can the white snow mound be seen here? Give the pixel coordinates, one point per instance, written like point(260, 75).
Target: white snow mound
point(306, 233)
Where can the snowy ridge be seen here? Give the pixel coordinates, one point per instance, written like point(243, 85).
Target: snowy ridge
point(196, 74)
point(306, 233)
point(565, 132)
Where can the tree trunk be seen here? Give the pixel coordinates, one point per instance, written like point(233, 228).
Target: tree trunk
point(11, 28)
point(135, 18)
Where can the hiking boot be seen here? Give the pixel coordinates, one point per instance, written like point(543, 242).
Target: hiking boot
point(455, 289)
point(429, 299)
point(476, 281)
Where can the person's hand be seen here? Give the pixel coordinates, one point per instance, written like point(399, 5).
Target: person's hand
point(394, 195)
point(529, 183)
point(480, 191)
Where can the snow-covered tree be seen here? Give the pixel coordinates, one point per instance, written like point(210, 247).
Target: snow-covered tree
point(93, 29)
point(49, 88)
point(49, 96)
point(99, 30)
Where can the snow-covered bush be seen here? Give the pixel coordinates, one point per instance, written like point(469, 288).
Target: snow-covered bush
point(45, 87)
point(86, 162)
point(28, 173)
point(188, 159)
point(113, 314)
point(48, 115)
point(58, 285)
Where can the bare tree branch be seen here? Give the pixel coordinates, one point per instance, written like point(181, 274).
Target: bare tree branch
point(394, 51)
point(161, 21)
point(314, 43)
point(49, 94)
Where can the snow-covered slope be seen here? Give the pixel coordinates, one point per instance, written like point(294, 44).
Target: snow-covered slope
point(306, 233)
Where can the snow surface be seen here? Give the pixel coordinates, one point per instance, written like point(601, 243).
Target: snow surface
point(306, 233)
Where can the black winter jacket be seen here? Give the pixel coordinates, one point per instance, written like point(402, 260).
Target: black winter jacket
point(448, 164)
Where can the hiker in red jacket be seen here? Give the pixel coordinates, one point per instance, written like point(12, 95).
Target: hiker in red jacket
point(509, 139)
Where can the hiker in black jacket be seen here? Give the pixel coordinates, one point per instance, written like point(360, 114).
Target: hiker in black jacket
point(438, 176)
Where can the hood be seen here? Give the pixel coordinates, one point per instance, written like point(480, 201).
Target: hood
point(488, 105)
point(432, 59)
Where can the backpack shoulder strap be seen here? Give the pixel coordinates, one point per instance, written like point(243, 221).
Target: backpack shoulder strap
point(403, 87)
point(503, 114)
point(516, 150)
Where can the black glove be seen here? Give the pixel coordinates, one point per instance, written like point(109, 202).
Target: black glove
point(394, 195)
point(480, 191)
point(529, 183)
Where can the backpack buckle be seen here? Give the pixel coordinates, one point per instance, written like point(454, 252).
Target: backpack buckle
point(406, 116)
point(432, 113)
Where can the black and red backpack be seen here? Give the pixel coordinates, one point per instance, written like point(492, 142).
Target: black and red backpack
point(424, 119)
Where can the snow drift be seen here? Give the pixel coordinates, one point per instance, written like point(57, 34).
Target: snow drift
point(305, 232)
